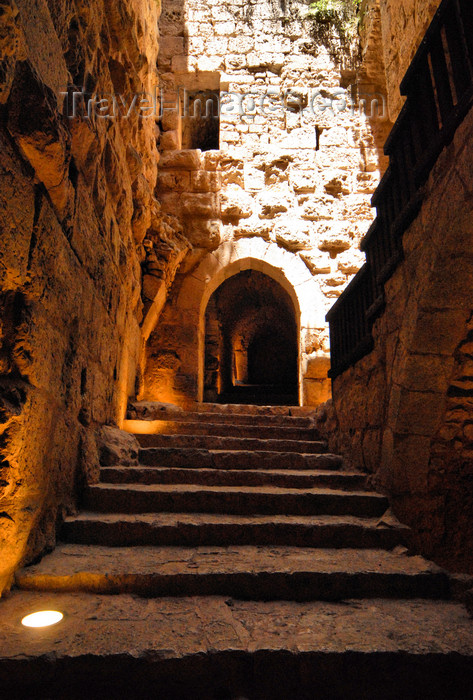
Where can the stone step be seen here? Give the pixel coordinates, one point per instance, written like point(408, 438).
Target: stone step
point(264, 432)
point(235, 500)
point(210, 442)
point(287, 421)
point(206, 529)
point(235, 459)
point(284, 478)
point(255, 410)
point(207, 648)
point(245, 573)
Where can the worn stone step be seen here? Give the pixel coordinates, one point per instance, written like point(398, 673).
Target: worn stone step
point(207, 529)
point(263, 432)
point(246, 573)
point(255, 410)
point(210, 442)
point(304, 422)
point(236, 500)
point(234, 477)
point(207, 648)
point(235, 459)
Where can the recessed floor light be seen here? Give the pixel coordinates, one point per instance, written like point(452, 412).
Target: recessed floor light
point(43, 618)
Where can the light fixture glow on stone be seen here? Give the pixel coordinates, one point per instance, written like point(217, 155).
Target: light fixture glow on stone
point(43, 618)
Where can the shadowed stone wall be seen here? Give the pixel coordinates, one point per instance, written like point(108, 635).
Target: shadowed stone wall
point(405, 412)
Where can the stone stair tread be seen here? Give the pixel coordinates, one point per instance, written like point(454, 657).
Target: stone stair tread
point(298, 478)
point(70, 559)
point(266, 472)
point(174, 519)
point(138, 628)
point(218, 443)
point(240, 419)
point(265, 490)
point(214, 529)
point(237, 459)
point(189, 427)
point(142, 498)
point(252, 409)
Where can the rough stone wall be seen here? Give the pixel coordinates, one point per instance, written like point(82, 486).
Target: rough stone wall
point(296, 180)
point(76, 200)
point(403, 25)
point(405, 411)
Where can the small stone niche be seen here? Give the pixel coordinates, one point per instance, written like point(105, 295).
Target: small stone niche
point(201, 120)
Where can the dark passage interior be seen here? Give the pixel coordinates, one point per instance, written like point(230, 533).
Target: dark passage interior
point(251, 346)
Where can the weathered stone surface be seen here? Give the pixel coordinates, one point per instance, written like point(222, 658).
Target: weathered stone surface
point(404, 411)
point(289, 159)
point(116, 446)
point(69, 266)
point(251, 649)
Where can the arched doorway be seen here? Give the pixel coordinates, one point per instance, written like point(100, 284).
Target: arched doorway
point(251, 342)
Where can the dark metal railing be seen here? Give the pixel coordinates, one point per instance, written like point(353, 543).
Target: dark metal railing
point(439, 90)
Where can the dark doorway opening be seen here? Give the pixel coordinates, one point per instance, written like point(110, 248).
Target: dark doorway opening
point(251, 343)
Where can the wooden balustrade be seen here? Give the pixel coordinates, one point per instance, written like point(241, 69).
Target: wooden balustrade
point(439, 93)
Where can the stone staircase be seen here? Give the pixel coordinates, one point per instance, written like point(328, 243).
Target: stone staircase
point(249, 563)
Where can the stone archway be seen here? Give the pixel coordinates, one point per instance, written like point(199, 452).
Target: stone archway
point(251, 342)
point(175, 354)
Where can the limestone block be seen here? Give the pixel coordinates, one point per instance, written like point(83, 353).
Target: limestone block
point(241, 44)
point(254, 178)
point(316, 392)
point(177, 160)
point(225, 28)
point(170, 141)
point(437, 331)
point(203, 234)
point(292, 236)
point(181, 64)
point(170, 46)
point(303, 180)
point(317, 263)
point(170, 203)
point(210, 63)
point(253, 228)
point(350, 261)
point(116, 447)
point(337, 183)
point(200, 205)
point(211, 160)
point(235, 62)
point(273, 202)
point(315, 341)
point(236, 203)
point(367, 182)
point(170, 120)
point(317, 208)
point(317, 367)
point(204, 181)
point(174, 181)
point(334, 238)
point(335, 280)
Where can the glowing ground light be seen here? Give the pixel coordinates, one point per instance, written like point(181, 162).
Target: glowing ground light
point(43, 618)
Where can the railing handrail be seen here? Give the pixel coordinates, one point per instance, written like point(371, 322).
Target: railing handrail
point(349, 289)
point(439, 89)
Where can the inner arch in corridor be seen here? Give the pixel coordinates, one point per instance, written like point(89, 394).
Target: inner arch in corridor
point(183, 383)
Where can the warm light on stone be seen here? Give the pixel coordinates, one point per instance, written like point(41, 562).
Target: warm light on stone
point(43, 618)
